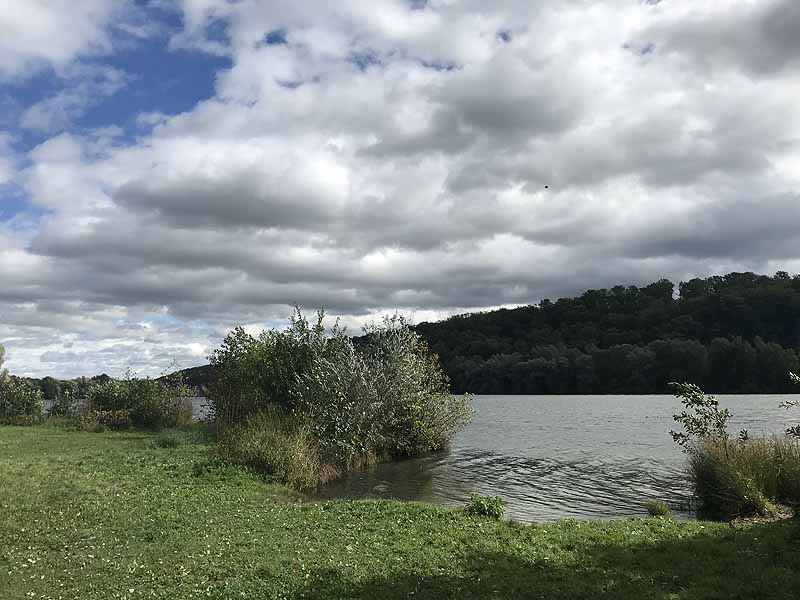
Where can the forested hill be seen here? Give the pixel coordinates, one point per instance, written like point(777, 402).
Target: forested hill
point(734, 333)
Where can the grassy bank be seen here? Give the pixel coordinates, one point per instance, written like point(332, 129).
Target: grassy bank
point(114, 515)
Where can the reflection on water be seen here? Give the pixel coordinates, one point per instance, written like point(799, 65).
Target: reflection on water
point(551, 457)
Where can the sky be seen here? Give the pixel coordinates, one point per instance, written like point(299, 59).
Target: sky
point(170, 169)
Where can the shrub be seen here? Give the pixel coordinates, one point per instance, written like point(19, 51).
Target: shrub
point(701, 418)
point(20, 402)
point(485, 506)
point(167, 439)
point(101, 420)
point(3, 372)
point(794, 430)
point(734, 480)
point(152, 404)
point(419, 414)
point(252, 373)
point(384, 397)
point(277, 443)
point(65, 405)
point(658, 508)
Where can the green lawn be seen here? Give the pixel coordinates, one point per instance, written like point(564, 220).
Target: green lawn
point(85, 515)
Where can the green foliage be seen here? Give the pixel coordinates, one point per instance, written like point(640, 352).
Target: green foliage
point(66, 404)
point(20, 402)
point(3, 372)
point(731, 334)
point(794, 430)
point(279, 444)
point(485, 506)
point(101, 420)
point(733, 480)
point(702, 417)
point(252, 373)
point(385, 398)
point(658, 508)
point(148, 403)
point(167, 439)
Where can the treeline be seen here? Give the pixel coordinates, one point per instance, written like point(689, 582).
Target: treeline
point(733, 333)
point(53, 389)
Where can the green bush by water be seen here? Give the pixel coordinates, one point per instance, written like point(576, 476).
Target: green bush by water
point(733, 479)
point(318, 394)
point(657, 508)
point(485, 506)
point(277, 443)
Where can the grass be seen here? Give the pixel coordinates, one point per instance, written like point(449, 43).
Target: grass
point(735, 479)
point(111, 515)
point(657, 508)
point(278, 445)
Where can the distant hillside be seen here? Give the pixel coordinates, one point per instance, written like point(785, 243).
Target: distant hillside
point(734, 333)
point(197, 377)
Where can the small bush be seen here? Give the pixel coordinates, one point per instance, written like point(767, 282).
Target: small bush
point(485, 506)
point(658, 508)
point(20, 402)
point(102, 420)
point(280, 445)
point(149, 403)
point(738, 480)
point(701, 418)
point(167, 439)
point(65, 405)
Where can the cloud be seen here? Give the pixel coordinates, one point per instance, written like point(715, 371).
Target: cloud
point(759, 38)
point(8, 159)
point(87, 86)
point(40, 33)
point(372, 157)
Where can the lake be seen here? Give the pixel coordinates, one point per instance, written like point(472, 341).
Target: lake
point(552, 457)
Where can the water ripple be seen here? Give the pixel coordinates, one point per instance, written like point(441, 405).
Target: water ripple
point(598, 457)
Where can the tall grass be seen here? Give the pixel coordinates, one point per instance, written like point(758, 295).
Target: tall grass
point(748, 478)
point(279, 444)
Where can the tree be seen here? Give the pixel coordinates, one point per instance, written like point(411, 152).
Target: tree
point(50, 388)
point(3, 372)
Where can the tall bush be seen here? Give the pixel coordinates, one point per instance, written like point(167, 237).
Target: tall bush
point(20, 402)
point(383, 397)
point(66, 404)
point(252, 373)
point(3, 372)
point(148, 403)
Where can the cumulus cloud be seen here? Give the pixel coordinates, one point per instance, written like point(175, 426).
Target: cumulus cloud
point(431, 158)
point(38, 33)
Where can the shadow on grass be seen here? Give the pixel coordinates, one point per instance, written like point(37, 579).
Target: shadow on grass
point(760, 562)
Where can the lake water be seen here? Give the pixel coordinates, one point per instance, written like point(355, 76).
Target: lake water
point(552, 457)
